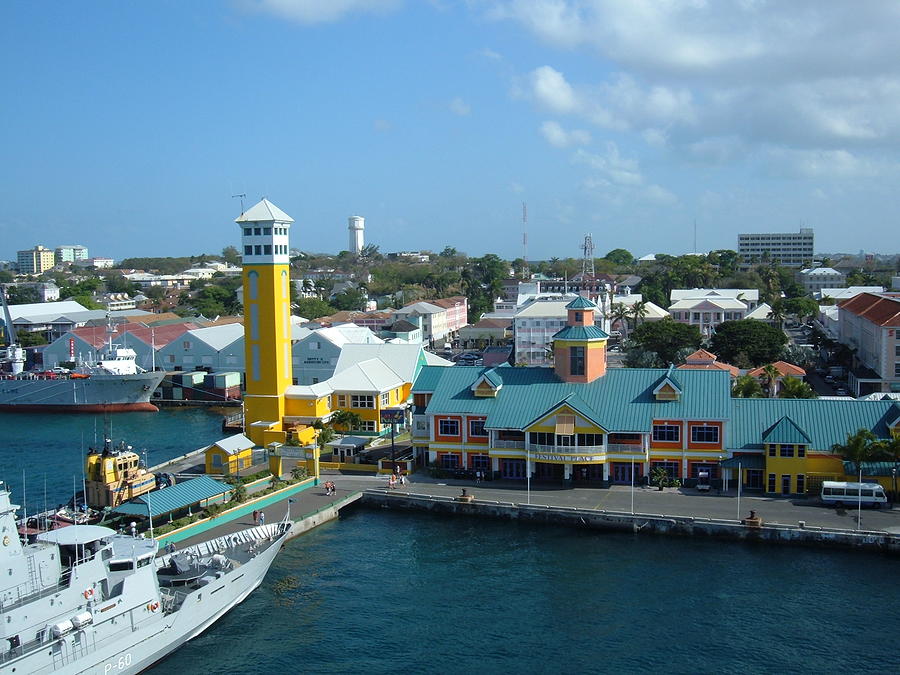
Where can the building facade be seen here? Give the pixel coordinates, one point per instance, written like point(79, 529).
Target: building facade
point(815, 279)
point(35, 260)
point(357, 229)
point(787, 248)
point(583, 424)
point(869, 323)
point(71, 253)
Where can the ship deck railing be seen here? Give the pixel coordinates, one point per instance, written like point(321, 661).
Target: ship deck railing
point(29, 596)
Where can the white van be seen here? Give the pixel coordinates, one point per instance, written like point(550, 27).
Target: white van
point(848, 494)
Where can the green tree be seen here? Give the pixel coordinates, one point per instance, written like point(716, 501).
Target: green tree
point(801, 308)
point(794, 387)
point(746, 386)
point(22, 295)
point(231, 255)
point(755, 341)
point(620, 256)
point(311, 308)
point(860, 447)
point(770, 376)
point(482, 279)
point(31, 339)
point(777, 312)
point(349, 299)
point(346, 420)
point(620, 312)
point(666, 338)
point(638, 312)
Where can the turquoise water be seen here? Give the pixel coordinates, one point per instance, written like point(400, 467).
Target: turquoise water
point(381, 592)
point(51, 447)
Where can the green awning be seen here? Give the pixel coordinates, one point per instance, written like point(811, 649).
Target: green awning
point(745, 462)
point(871, 468)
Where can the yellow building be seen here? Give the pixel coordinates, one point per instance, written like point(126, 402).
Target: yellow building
point(229, 456)
point(267, 319)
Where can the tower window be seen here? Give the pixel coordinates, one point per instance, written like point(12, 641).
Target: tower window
point(257, 231)
point(267, 230)
point(257, 249)
point(248, 231)
point(248, 250)
point(579, 316)
point(267, 249)
point(576, 360)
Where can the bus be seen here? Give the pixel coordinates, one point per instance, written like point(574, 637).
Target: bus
point(849, 494)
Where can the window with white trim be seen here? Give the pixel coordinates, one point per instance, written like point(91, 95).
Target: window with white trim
point(668, 433)
point(342, 400)
point(476, 429)
point(385, 399)
point(368, 425)
point(448, 427)
point(704, 434)
point(362, 401)
point(449, 461)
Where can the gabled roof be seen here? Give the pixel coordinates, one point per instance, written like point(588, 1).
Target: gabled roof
point(784, 369)
point(403, 326)
point(233, 444)
point(785, 430)
point(668, 379)
point(368, 377)
point(341, 335)
point(491, 377)
point(761, 313)
point(420, 308)
point(825, 421)
point(622, 399)
point(41, 309)
point(402, 359)
point(447, 303)
point(317, 390)
point(882, 309)
point(573, 402)
point(262, 212)
point(219, 337)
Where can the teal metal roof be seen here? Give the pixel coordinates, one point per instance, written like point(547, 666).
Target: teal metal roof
point(493, 378)
point(179, 496)
point(744, 462)
point(580, 333)
point(785, 430)
point(871, 468)
point(825, 421)
point(670, 379)
point(581, 302)
point(622, 400)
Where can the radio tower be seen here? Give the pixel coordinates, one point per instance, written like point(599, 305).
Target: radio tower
point(587, 263)
point(525, 239)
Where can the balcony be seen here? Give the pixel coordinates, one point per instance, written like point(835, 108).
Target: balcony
point(519, 445)
point(568, 449)
point(625, 448)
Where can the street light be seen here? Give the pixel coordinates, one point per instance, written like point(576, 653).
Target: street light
point(859, 507)
point(894, 480)
point(739, 481)
point(632, 483)
point(527, 472)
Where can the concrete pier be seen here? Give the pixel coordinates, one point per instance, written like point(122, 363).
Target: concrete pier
point(647, 523)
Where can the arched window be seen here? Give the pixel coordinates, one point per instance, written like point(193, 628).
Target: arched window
point(284, 285)
point(253, 285)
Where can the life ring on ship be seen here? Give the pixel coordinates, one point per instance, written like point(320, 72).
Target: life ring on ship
point(153, 606)
point(88, 593)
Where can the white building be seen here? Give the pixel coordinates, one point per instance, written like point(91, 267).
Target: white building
point(315, 352)
point(787, 248)
point(706, 308)
point(71, 253)
point(356, 226)
point(535, 324)
point(870, 324)
point(816, 278)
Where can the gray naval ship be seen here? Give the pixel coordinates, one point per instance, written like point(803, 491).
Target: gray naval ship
point(85, 599)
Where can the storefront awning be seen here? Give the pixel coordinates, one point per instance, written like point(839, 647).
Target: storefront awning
point(745, 462)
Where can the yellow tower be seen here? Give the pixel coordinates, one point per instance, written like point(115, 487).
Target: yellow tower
point(267, 319)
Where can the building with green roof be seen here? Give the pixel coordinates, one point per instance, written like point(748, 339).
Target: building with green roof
point(581, 423)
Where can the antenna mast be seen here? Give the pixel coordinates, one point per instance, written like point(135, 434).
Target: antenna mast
point(587, 262)
point(525, 238)
point(241, 196)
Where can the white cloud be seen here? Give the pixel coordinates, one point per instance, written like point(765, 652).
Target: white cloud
point(825, 163)
point(551, 90)
point(321, 11)
point(460, 107)
point(560, 138)
point(611, 167)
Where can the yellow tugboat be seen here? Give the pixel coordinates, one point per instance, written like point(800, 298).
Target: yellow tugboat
point(115, 475)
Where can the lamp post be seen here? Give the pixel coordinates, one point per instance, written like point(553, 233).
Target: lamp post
point(527, 472)
point(739, 481)
point(859, 497)
point(894, 481)
point(724, 475)
point(632, 484)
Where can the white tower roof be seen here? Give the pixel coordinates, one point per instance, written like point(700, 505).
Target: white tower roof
point(264, 211)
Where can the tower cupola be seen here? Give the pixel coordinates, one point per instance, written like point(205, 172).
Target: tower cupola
point(264, 235)
point(579, 349)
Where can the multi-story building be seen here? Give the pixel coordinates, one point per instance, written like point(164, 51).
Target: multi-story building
point(706, 308)
point(814, 279)
point(787, 248)
point(315, 352)
point(534, 325)
point(869, 323)
point(440, 320)
point(583, 424)
point(71, 253)
point(35, 260)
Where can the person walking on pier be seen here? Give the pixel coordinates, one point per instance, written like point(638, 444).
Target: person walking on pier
point(255, 517)
point(262, 517)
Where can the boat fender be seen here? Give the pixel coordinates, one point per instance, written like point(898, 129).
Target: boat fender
point(153, 606)
point(88, 593)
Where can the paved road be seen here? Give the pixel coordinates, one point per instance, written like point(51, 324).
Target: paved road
point(680, 502)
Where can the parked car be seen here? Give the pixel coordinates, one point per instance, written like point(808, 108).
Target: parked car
point(829, 379)
point(841, 391)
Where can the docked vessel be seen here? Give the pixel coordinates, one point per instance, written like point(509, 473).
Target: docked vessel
point(85, 599)
point(113, 383)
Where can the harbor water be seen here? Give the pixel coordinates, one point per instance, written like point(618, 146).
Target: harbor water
point(382, 592)
point(50, 448)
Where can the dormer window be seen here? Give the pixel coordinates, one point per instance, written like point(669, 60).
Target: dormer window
point(579, 316)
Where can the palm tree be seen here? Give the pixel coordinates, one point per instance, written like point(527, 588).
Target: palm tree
point(746, 386)
point(346, 419)
point(777, 312)
point(860, 447)
point(794, 387)
point(770, 376)
point(619, 312)
point(639, 311)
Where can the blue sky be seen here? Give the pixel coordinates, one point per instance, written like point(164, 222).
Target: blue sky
point(128, 126)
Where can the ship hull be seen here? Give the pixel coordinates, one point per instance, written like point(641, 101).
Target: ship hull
point(97, 393)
